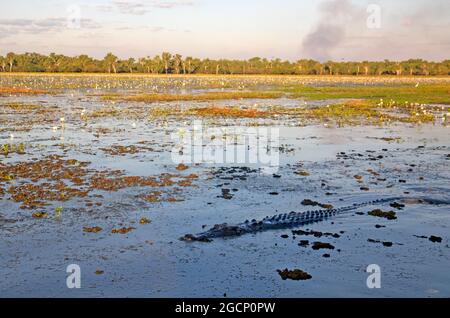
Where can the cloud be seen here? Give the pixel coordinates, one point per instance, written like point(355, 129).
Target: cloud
point(408, 30)
point(34, 26)
point(170, 4)
point(140, 7)
point(129, 7)
point(143, 28)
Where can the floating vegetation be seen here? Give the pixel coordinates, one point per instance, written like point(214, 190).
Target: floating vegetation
point(397, 205)
point(316, 233)
point(397, 93)
point(391, 215)
point(320, 245)
point(94, 229)
point(375, 101)
point(388, 139)
point(209, 112)
point(296, 274)
point(182, 167)
point(123, 230)
point(55, 170)
point(54, 179)
point(309, 202)
point(144, 221)
point(118, 150)
point(154, 196)
point(58, 211)
point(211, 96)
point(20, 107)
point(435, 239)
point(21, 91)
point(7, 149)
point(359, 112)
point(39, 215)
point(109, 183)
point(385, 244)
point(231, 112)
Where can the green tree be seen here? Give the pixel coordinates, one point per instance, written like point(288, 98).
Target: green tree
point(11, 59)
point(166, 59)
point(130, 64)
point(110, 60)
point(177, 63)
point(3, 63)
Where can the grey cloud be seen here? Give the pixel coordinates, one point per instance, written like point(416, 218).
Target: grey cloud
point(15, 22)
point(341, 31)
point(334, 19)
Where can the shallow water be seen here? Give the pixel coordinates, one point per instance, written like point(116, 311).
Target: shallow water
point(151, 261)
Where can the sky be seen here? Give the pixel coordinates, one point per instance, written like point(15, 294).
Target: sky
point(288, 29)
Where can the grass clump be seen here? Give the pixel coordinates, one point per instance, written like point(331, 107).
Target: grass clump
point(20, 106)
point(426, 93)
point(153, 98)
point(21, 91)
point(355, 112)
point(229, 112)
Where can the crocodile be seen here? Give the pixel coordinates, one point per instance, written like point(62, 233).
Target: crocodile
point(289, 220)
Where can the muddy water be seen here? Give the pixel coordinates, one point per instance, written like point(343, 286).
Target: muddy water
point(150, 261)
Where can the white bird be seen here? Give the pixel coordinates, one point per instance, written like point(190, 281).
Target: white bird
point(11, 136)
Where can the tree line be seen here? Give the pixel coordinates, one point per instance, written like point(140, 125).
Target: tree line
point(168, 63)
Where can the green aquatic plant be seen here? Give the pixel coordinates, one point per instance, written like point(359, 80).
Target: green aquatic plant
point(424, 94)
point(150, 98)
point(21, 148)
point(58, 211)
point(5, 150)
